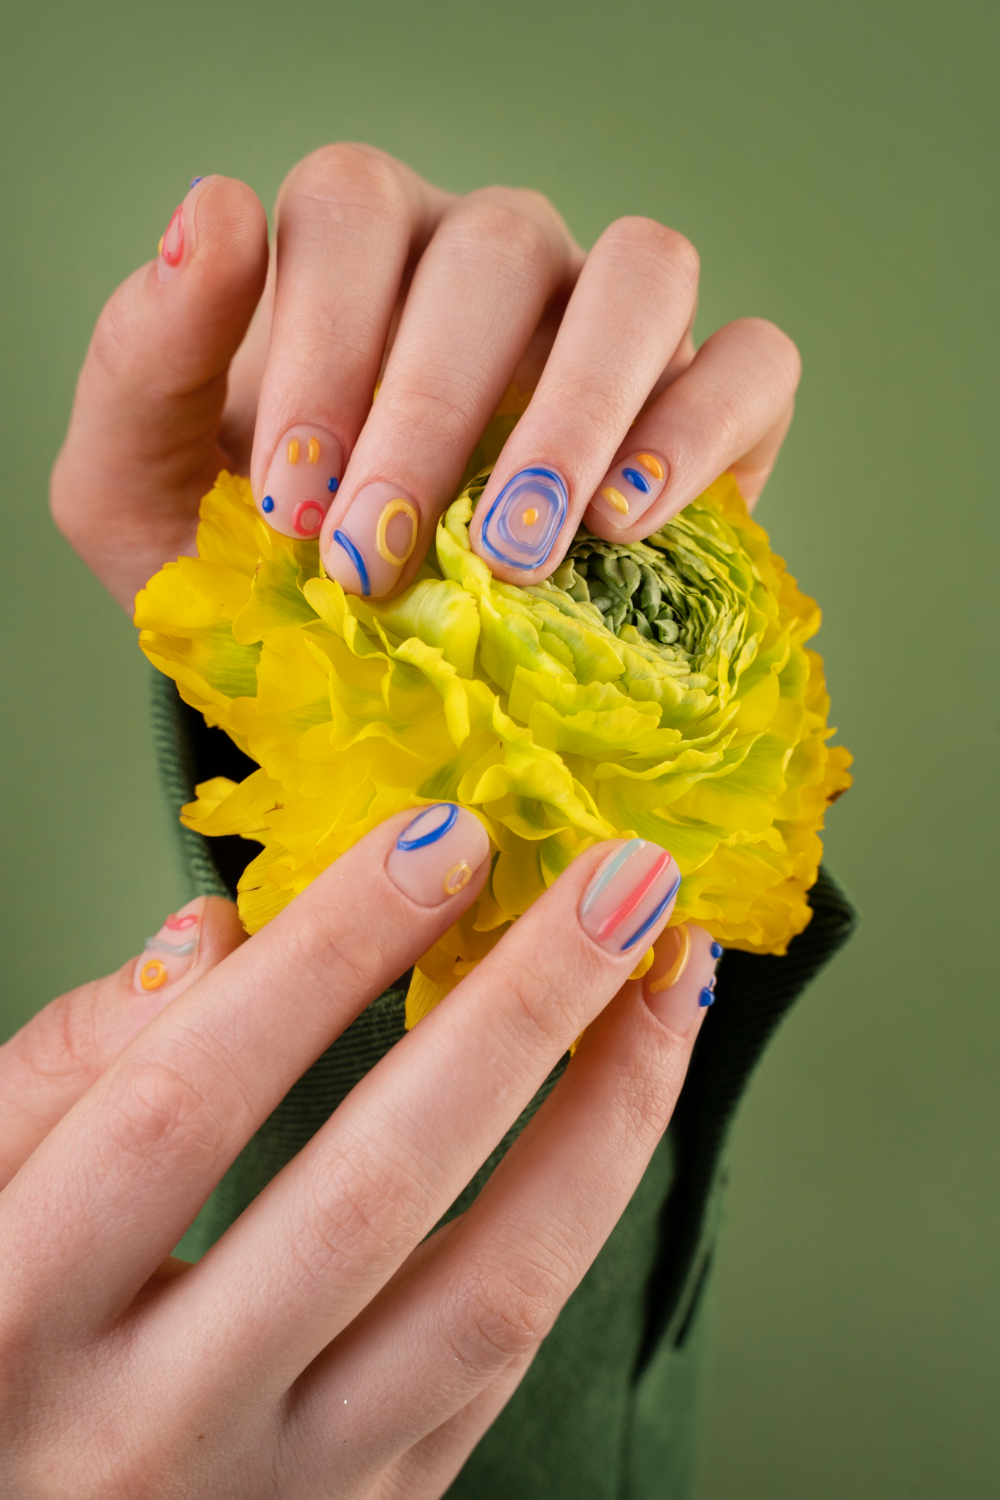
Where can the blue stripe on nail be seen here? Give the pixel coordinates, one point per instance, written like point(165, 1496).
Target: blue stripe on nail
point(356, 559)
point(636, 480)
point(423, 839)
point(653, 917)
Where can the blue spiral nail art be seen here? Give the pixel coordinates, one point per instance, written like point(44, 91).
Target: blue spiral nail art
point(522, 524)
point(344, 541)
point(636, 480)
point(420, 841)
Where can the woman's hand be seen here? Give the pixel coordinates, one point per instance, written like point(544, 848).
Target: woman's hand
point(210, 357)
point(325, 1345)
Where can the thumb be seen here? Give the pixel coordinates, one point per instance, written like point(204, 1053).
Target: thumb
point(143, 440)
point(54, 1059)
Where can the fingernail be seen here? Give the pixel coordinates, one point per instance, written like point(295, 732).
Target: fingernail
point(525, 519)
point(375, 539)
point(631, 487)
point(177, 240)
point(172, 952)
point(437, 853)
point(301, 482)
point(630, 897)
point(680, 983)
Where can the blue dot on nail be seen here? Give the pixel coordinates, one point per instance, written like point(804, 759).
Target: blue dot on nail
point(333, 485)
point(636, 480)
point(267, 505)
point(716, 950)
point(706, 998)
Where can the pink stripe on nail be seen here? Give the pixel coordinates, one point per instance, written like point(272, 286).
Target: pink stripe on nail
point(632, 900)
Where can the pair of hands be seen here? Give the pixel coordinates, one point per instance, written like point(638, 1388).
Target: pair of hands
point(326, 1344)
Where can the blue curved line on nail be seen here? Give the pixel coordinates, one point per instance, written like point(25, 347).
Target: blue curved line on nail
point(706, 998)
point(333, 485)
point(653, 917)
point(423, 839)
point(636, 480)
point(553, 491)
point(608, 874)
point(716, 950)
point(267, 505)
point(195, 181)
point(356, 559)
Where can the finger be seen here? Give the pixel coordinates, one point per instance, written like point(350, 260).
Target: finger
point(730, 409)
point(629, 313)
point(477, 296)
point(142, 446)
point(329, 1231)
point(350, 220)
point(52, 1061)
point(483, 1295)
point(144, 1147)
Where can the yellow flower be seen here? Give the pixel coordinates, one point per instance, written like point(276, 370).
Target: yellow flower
point(664, 689)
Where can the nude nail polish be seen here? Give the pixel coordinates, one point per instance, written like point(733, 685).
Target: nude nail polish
point(177, 240)
point(630, 897)
point(524, 521)
point(680, 984)
point(303, 477)
point(631, 487)
point(172, 952)
point(374, 541)
point(437, 853)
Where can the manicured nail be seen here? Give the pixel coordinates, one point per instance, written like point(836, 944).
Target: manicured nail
point(630, 897)
point(681, 981)
point(437, 853)
point(178, 237)
point(300, 484)
point(525, 519)
point(631, 487)
point(172, 952)
point(375, 539)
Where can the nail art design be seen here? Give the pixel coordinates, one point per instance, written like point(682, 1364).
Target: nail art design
point(522, 524)
point(632, 486)
point(374, 541)
point(171, 246)
point(302, 479)
point(629, 895)
point(171, 953)
point(437, 853)
point(681, 981)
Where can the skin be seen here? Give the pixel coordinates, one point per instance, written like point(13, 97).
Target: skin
point(326, 1345)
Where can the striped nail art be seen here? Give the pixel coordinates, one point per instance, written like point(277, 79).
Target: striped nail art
point(629, 896)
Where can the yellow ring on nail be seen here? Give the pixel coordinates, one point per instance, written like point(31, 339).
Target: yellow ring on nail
point(651, 464)
point(397, 507)
point(456, 879)
point(153, 974)
point(616, 500)
point(680, 963)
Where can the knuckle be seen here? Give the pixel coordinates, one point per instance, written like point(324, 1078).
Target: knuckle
point(496, 1317)
point(348, 171)
point(646, 244)
point(444, 404)
point(774, 344)
point(160, 1110)
point(598, 400)
point(61, 1042)
point(513, 234)
point(537, 1006)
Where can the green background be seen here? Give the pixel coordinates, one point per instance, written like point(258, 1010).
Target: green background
point(835, 166)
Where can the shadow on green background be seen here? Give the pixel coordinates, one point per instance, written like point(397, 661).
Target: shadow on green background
point(835, 167)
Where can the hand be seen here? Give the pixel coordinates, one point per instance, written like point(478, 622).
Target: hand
point(209, 357)
point(325, 1345)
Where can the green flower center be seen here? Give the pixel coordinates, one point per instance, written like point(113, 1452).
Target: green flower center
point(643, 586)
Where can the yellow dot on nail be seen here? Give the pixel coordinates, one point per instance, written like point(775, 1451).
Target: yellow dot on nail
point(615, 499)
point(456, 879)
point(153, 974)
point(312, 453)
point(397, 507)
point(293, 450)
point(159, 245)
point(651, 464)
point(529, 516)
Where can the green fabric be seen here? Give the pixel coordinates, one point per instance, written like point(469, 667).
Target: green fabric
point(608, 1410)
